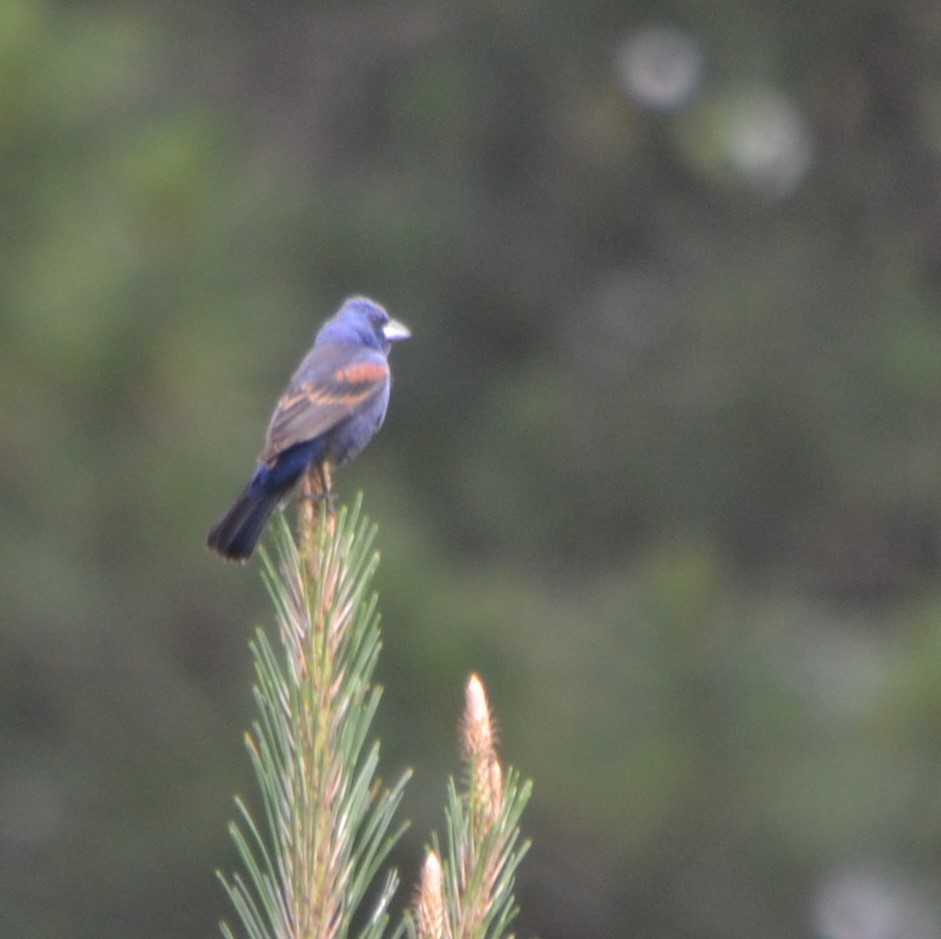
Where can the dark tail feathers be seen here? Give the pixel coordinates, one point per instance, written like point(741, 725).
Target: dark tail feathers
point(235, 535)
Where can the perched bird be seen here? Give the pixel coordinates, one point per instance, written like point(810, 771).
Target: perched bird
point(334, 404)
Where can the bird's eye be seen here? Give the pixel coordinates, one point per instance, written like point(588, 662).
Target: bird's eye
point(377, 320)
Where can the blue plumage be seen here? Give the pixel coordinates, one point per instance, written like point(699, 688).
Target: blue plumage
point(332, 407)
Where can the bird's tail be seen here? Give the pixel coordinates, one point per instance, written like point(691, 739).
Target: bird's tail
point(235, 535)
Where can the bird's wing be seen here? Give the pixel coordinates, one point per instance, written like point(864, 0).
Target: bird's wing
point(329, 385)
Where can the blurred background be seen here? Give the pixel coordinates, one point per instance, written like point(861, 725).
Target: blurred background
point(663, 460)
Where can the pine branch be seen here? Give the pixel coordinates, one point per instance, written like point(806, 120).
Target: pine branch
point(328, 824)
point(470, 895)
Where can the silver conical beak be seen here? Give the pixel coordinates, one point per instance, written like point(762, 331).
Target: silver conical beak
point(394, 331)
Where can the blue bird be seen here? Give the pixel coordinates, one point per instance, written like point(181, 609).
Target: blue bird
point(332, 407)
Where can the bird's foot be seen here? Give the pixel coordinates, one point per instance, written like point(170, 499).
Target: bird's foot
point(317, 497)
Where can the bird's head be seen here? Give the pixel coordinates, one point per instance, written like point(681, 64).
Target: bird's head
point(362, 321)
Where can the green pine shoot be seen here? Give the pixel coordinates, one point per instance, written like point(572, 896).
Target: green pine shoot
point(327, 826)
point(470, 895)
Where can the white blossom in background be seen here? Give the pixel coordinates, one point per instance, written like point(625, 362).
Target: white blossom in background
point(866, 904)
point(768, 142)
point(660, 67)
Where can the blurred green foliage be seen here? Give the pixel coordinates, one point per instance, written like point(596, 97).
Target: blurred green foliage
point(661, 464)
